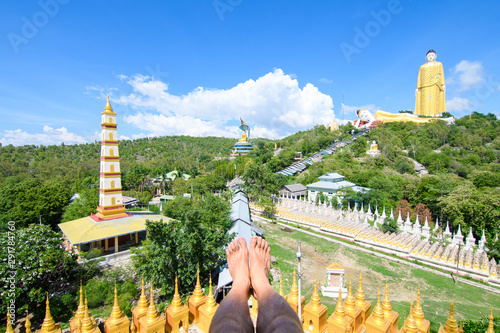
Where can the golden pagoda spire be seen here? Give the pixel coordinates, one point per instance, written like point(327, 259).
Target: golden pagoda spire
point(198, 292)
point(360, 295)
point(116, 313)
point(81, 306)
point(48, 323)
point(410, 323)
point(294, 292)
point(9, 324)
point(211, 301)
point(281, 287)
point(350, 302)
point(108, 105)
point(339, 314)
point(176, 301)
point(133, 329)
point(142, 305)
point(491, 328)
point(418, 313)
point(152, 313)
point(386, 303)
point(451, 323)
point(315, 301)
point(27, 324)
point(378, 312)
point(86, 323)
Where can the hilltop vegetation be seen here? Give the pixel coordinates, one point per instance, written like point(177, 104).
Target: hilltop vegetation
point(462, 160)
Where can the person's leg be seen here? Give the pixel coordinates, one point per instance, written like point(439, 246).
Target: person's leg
point(233, 314)
point(275, 314)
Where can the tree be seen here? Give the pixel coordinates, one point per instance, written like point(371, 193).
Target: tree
point(40, 266)
point(82, 206)
point(470, 207)
point(423, 212)
point(404, 207)
point(261, 181)
point(389, 225)
point(196, 238)
point(359, 147)
point(404, 165)
point(435, 162)
point(33, 201)
point(485, 179)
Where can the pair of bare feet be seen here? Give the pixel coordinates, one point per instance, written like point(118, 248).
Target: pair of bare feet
point(254, 275)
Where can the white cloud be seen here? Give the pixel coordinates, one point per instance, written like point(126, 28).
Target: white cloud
point(325, 80)
point(138, 136)
point(159, 124)
point(344, 122)
point(50, 136)
point(469, 74)
point(458, 104)
point(273, 105)
point(261, 132)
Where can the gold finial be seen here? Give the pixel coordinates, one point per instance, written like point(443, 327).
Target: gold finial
point(9, 324)
point(87, 324)
point(386, 303)
point(491, 328)
point(378, 312)
point(81, 307)
point(360, 295)
point(133, 329)
point(176, 301)
point(451, 322)
point(142, 305)
point(198, 292)
point(48, 323)
point(108, 105)
point(211, 301)
point(281, 287)
point(410, 323)
point(418, 313)
point(339, 315)
point(152, 313)
point(116, 313)
point(315, 301)
point(350, 302)
point(27, 324)
point(294, 292)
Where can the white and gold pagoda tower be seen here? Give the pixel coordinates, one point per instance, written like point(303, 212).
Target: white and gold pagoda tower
point(110, 184)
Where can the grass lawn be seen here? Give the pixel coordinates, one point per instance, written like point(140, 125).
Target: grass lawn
point(436, 291)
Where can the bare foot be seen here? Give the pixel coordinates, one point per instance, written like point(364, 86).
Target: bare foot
point(237, 261)
point(260, 265)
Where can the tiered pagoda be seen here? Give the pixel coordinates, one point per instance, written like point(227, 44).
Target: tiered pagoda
point(111, 229)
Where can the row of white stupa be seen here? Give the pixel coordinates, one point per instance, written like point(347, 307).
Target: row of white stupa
point(449, 252)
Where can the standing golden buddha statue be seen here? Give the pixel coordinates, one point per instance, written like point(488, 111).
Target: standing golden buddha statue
point(430, 100)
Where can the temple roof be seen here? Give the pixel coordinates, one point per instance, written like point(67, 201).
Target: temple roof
point(330, 186)
point(295, 187)
point(332, 176)
point(86, 230)
point(335, 266)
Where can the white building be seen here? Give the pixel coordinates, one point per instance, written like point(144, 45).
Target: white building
point(331, 184)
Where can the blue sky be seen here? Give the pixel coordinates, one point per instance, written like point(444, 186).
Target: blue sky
point(196, 67)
